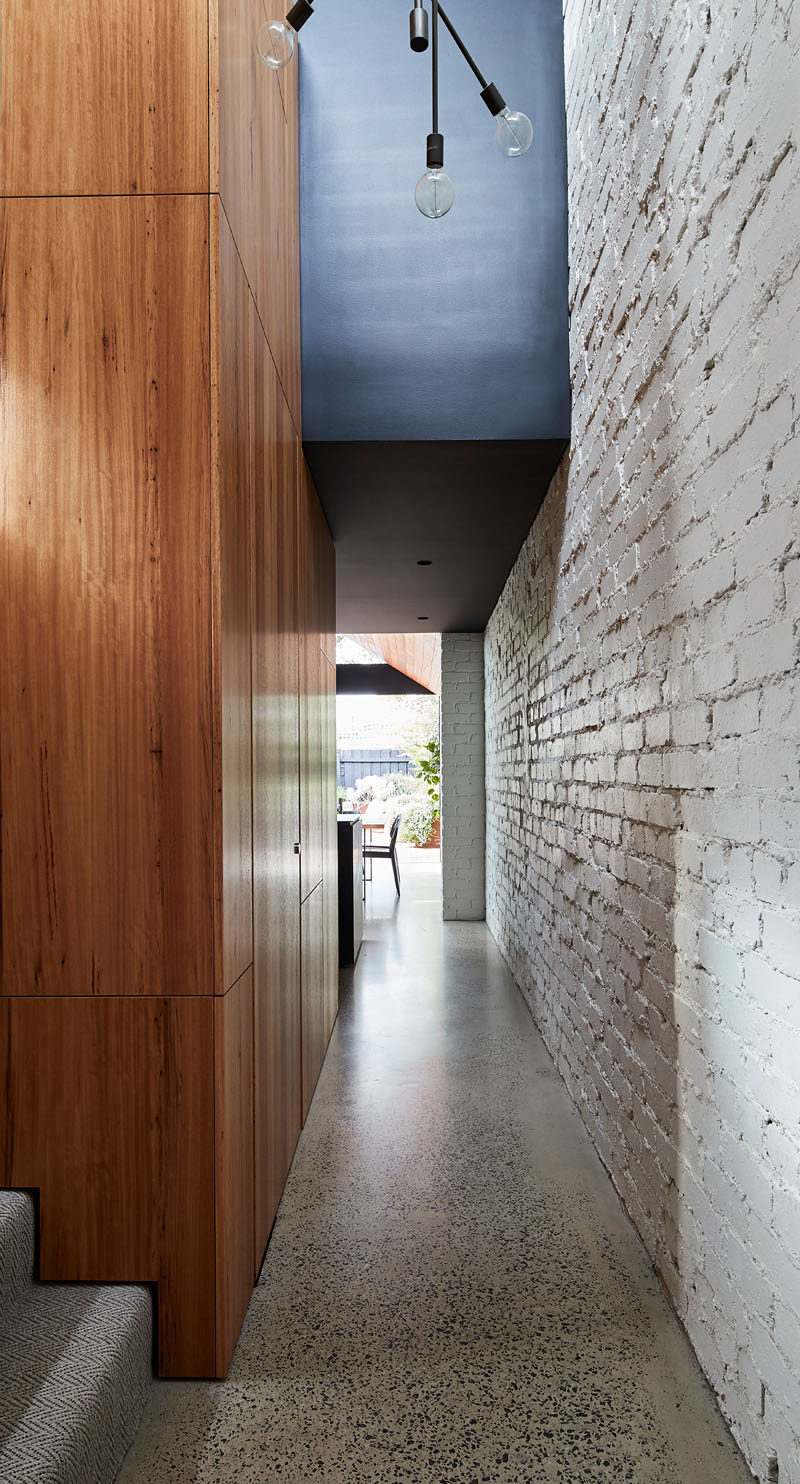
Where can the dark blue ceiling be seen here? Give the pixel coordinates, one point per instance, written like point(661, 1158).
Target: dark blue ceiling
point(425, 330)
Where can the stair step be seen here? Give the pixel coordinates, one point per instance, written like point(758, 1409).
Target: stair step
point(75, 1366)
point(17, 1247)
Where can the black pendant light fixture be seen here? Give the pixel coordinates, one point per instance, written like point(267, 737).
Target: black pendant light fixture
point(434, 193)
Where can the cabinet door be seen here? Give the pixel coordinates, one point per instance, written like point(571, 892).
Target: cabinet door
point(233, 1163)
point(276, 820)
point(105, 582)
point(232, 607)
point(109, 1105)
point(104, 99)
point(259, 181)
point(312, 954)
point(312, 659)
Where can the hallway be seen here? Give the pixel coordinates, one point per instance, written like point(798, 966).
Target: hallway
point(451, 1292)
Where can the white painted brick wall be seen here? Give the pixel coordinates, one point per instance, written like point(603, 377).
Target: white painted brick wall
point(642, 686)
point(463, 792)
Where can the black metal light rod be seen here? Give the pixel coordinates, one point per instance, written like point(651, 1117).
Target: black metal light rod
point(435, 65)
point(435, 140)
point(494, 100)
point(459, 43)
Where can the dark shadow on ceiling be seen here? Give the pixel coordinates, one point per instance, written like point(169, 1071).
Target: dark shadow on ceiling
point(376, 680)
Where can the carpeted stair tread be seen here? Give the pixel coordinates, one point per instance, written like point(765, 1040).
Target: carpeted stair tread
point(17, 1246)
point(75, 1365)
point(74, 1370)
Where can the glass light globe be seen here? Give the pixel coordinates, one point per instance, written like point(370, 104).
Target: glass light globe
point(434, 193)
point(275, 44)
point(514, 132)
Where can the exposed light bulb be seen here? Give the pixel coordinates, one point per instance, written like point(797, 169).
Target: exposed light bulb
point(514, 132)
point(275, 44)
point(434, 193)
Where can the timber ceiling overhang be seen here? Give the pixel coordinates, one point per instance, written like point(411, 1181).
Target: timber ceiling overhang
point(418, 656)
point(435, 354)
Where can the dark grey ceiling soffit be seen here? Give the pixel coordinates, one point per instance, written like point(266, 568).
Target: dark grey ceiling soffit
point(447, 336)
point(465, 508)
point(376, 680)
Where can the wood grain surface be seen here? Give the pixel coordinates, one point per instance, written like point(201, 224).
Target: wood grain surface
point(311, 763)
point(105, 582)
point(276, 818)
point(259, 182)
point(103, 99)
point(233, 1167)
point(233, 600)
point(109, 1113)
point(416, 655)
point(312, 956)
point(314, 588)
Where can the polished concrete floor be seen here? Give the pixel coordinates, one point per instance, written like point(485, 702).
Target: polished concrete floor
point(451, 1292)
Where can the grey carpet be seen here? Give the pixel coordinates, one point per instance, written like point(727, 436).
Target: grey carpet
point(75, 1366)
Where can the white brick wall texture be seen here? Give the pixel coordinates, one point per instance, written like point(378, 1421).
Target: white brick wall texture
point(463, 792)
point(642, 686)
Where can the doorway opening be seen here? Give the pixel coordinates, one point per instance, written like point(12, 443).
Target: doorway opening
point(388, 761)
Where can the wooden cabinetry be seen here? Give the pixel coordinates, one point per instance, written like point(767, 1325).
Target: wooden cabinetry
point(104, 100)
point(258, 143)
point(232, 569)
point(165, 657)
point(105, 594)
point(276, 791)
point(319, 864)
point(313, 555)
point(110, 1112)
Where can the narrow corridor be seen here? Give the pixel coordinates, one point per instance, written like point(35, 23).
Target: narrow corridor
point(451, 1292)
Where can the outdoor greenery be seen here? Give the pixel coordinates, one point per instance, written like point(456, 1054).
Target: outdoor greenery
point(418, 821)
point(407, 794)
point(377, 788)
point(429, 768)
point(417, 724)
point(415, 795)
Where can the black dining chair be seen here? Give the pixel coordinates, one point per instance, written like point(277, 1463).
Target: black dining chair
point(387, 852)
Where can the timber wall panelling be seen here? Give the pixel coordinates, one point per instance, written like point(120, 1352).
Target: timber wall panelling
point(104, 99)
point(319, 861)
point(232, 569)
point(122, 1087)
point(259, 182)
point(105, 636)
point(313, 1001)
point(276, 793)
point(151, 650)
point(234, 1168)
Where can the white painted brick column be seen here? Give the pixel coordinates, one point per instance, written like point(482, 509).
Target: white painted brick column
point(463, 784)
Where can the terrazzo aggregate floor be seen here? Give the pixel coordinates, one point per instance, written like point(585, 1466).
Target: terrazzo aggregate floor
point(451, 1294)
